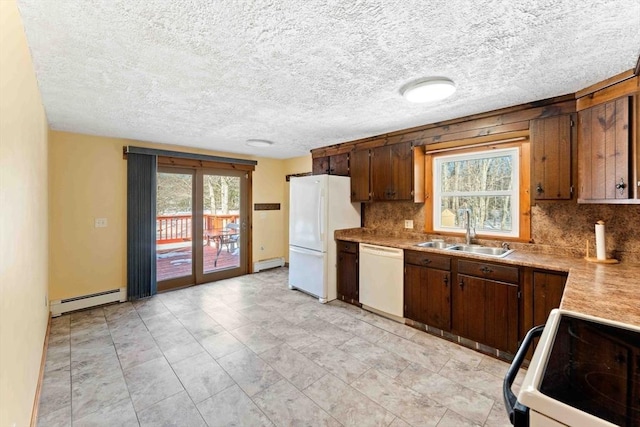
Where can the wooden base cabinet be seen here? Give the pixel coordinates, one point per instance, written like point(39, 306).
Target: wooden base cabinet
point(486, 304)
point(487, 312)
point(547, 294)
point(542, 290)
point(427, 289)
point(347, 272)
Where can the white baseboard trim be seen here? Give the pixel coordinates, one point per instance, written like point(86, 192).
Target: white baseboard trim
point(268, 263)
point(59, 307)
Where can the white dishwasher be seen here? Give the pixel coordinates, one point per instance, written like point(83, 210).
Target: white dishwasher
point(381, 280)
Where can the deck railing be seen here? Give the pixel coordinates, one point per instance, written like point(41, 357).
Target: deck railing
point(178, 228)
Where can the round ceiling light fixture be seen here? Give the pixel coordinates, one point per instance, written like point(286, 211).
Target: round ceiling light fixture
point(428, 89)
point(259, 143)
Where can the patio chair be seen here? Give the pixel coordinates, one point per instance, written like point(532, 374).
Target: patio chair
point(232, 236)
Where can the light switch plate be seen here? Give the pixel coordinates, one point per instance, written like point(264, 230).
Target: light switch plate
point(100, 222)
point(408, 223)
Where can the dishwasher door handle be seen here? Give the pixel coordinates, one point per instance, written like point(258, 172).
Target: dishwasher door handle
point(381, 251)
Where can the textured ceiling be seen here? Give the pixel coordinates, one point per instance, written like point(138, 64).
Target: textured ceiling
point(311, 73)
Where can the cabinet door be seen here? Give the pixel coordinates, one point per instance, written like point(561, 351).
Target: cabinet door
point(604, 151)
point(339, 164)
point(392, 172)
point(381, 174)
point(501, 315)
point(547, 293)
point(486, 311)
point(551, 158)
point(469, 310)
point(320, 165)
point(438, 300)
point(359, 171)
point(415, 293)
point(348, 276)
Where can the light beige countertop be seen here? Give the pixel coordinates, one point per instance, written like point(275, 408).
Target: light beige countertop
point(610, 291)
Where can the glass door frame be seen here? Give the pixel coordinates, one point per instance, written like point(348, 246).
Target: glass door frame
point(243, 219)
point(182, 281)
point(198, 276)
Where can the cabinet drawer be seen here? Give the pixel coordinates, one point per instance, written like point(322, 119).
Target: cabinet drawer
point(350, 247)
point(485, 270)
point(426, 259)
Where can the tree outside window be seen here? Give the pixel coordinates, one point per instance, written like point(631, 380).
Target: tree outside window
point(484, 183)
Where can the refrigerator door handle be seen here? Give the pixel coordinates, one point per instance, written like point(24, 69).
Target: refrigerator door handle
point(321, 216)
point(306, 251)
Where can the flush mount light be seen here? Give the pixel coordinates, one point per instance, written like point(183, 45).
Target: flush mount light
point(259, 143)
point(428, 90)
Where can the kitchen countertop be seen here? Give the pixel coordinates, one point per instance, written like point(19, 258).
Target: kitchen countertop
point(610, 291)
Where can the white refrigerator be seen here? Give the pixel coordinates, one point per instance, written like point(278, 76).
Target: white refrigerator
point(318, 205)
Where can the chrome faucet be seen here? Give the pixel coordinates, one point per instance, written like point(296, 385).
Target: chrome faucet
point(469, 234)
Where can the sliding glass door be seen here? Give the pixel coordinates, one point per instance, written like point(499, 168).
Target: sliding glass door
point(174, 228)
point(223, 201)
point(201, 228)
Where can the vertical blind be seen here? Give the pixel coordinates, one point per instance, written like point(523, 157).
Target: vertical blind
point(142, 168)
point(141, 225)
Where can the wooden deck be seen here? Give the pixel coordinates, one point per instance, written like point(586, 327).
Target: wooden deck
point(176, 262)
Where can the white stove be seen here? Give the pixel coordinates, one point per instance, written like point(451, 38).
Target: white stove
point(585, 372)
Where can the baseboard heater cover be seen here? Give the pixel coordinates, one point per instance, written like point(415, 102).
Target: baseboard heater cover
point(59, 307)
point(268, 263)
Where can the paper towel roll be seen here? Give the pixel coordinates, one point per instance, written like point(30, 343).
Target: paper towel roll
point(601, 252)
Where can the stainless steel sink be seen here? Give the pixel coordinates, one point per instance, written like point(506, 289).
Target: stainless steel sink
point(437, 245)
point(482, 250)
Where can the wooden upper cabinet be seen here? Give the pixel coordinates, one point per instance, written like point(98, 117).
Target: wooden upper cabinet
point(551, 146)
point(605, 162)
point(359, 168)
point(338, 164)
point(320, 165)
point(392, 172)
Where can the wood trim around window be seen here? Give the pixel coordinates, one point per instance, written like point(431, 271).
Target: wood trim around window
point(524, 195)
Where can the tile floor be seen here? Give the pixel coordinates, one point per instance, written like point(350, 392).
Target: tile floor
point(248, 351)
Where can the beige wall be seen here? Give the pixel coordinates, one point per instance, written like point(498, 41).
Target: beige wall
point(23, 223)
point(88, 181)
point(291, 166)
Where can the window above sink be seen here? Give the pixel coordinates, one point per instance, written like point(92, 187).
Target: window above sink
point(488, 184)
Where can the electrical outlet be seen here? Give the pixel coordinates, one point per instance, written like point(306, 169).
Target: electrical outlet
point(100, 222)
point(408, 223)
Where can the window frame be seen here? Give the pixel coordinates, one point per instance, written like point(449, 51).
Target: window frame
point(523, 200)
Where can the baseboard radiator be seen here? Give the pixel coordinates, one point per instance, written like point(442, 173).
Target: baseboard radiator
point(59, 307)
point(268, 263)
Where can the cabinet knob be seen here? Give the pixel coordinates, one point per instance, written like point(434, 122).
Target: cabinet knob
point(426, 261)
point(621, 186)
point(539, 189)
point(486, 270)
point(446, 281)
point(461, 284)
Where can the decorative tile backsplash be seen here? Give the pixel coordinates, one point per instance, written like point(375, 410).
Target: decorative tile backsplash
point(558, 227)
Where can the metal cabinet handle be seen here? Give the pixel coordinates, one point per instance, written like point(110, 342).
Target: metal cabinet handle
point(486, 270)
point(461, 284)
point(426, 261)
point(446, 281)
point(539, 189)
point(621, 186)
